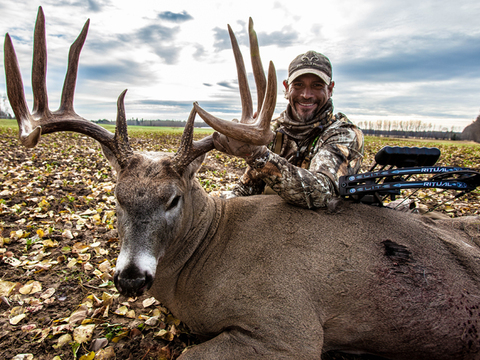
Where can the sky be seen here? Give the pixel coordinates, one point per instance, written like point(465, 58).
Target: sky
point(394, 60)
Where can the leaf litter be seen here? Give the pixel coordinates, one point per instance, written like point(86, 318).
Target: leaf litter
point(58, 247)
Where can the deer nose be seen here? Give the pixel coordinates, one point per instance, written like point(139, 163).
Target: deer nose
point(132, 283)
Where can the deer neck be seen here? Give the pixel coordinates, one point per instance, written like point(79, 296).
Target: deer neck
point(206, 214)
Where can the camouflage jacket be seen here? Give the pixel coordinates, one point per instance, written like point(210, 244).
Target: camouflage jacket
point(307, 174)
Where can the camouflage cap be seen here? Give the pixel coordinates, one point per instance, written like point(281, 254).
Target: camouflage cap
point(310, 63)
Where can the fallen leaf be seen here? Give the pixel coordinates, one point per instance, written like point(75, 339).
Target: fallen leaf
point(98, 344)
point(48, 293)
point(16, 319)
point(105, 266)
point(79, 315)
point(83, 333)
point(67, 234)
point(6, 287)
point(23, 357)
point(89, 356)
point(31, 287)
point(122, 310)
point(149, 302)
point(62, 340)
point(105, 354)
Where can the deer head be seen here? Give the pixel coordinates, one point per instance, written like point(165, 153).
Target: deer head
point(154, 190)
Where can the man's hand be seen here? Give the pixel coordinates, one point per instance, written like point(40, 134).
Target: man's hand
point(234, 147)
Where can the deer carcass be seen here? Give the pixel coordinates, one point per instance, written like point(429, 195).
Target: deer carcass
point(262, 278)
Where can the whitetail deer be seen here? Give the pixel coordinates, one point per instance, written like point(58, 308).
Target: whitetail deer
point(261, 278)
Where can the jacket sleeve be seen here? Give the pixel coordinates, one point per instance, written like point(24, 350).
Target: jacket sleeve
point(249, 184)
point(338, 152)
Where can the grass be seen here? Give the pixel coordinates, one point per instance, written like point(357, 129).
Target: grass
point(12, 124)
point(376, 142)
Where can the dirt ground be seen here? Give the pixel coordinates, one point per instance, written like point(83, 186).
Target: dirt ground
point(58, 247)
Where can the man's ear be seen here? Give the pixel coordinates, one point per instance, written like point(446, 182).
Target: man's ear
point(285, 91)
point(330, 88)
point(111, 159)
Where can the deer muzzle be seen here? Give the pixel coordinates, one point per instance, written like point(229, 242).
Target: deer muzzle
point(132, 283)
point(134, 274)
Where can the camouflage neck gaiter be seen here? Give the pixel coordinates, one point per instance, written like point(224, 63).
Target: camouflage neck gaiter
point(300, 130)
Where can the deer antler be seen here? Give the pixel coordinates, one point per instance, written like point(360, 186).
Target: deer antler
point(189, 150)
point(42, 120)
point(250, 130)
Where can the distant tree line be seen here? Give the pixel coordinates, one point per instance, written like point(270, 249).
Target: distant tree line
point(408, 129)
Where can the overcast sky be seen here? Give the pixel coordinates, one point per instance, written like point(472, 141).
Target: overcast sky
point(396, 60)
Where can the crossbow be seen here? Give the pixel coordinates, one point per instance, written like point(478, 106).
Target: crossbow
point(399, 168)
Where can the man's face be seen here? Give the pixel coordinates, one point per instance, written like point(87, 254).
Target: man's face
point(307, 94)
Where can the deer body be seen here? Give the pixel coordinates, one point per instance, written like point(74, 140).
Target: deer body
point(261, 278)
point(267, 279)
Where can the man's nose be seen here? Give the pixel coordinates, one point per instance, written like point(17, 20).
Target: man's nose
point(307, 92)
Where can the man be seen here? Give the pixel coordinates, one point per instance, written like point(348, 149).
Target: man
point(313, 147)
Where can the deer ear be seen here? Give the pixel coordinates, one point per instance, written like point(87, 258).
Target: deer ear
point(193, 167)
point(112, 159)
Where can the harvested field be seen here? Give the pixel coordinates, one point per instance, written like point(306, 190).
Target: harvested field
point(58, 247)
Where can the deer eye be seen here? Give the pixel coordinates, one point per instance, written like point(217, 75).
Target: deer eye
point(174, 202)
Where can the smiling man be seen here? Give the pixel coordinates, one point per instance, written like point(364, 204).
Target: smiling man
point(313, 146)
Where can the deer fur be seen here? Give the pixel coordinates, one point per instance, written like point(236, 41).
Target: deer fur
point(264, 279)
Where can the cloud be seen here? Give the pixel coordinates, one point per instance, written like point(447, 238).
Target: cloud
point(280, 38)
point(175, 17)
point(159, 39)
point(221, 39)
point(284, 38)
point(199, 53)
point(228, 85)
point(436, 59)
point(126, 71)
point(96, 6)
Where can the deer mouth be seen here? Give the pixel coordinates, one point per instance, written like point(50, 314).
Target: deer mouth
point(133, 286)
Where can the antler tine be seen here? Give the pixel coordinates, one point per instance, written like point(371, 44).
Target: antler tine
point(39, 69)
point(66, 105)
point(31, 126)
point(29, 133)
point(245, 95)
point(258, 73)
point(120, 141)
point(189, 150)
point(248, 130)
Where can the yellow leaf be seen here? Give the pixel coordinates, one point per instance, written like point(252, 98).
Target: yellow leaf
point(72, 263)
point(40, 233)
point(122, 310)
point(49, 243)
point(89, 356)
point(120, 336)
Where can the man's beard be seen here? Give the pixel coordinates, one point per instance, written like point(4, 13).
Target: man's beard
point(305, 117)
